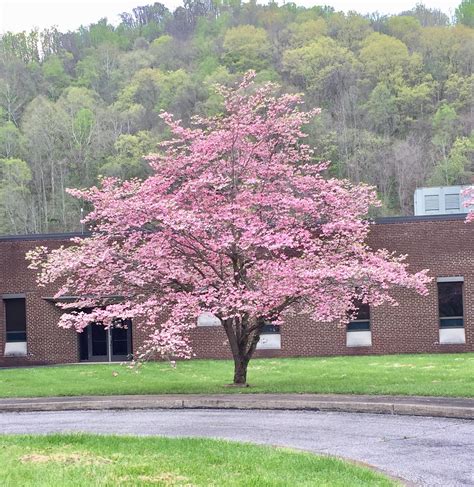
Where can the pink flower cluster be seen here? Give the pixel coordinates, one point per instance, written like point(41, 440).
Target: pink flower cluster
point(468, 195)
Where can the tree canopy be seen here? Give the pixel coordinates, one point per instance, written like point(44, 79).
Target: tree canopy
point(238, 220)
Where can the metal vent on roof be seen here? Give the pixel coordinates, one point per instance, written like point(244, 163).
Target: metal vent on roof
point(452, 202)
point(431, 202)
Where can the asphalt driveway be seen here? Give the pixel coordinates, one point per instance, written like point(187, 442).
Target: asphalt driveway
point(425, 451)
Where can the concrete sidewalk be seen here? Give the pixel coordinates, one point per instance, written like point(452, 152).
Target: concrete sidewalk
point(406, 405)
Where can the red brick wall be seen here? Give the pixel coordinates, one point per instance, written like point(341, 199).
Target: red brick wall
point(46, 342)
point(446, 248)
point(443, 246)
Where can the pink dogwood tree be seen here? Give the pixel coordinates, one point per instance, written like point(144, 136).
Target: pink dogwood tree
point(468, 196)
point(238, 220)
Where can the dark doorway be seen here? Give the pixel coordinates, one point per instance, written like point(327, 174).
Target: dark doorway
point(96, 344)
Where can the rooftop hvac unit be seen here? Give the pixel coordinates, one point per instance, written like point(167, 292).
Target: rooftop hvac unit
point(440, 200)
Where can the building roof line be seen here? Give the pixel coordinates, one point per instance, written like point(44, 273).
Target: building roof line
point(43, 236)
point(378, 221)
point(419, 218)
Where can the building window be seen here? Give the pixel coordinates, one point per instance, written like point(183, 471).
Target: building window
point(361, 322)
point(15, 319)
point(15, 326)
point(452, 202)
point(431, 202)
point(451, 311)
point(358, 330)
point(269, 329)
point(270, 338)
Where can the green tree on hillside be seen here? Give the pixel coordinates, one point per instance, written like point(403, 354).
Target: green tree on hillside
point(465, 13)
point(396, 92)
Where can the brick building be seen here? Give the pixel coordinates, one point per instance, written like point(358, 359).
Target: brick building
point(443, 321)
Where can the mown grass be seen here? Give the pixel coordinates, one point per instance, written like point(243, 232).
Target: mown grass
point(85, 460)
point(422, 375)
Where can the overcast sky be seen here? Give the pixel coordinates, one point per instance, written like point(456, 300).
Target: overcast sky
point(18, 15)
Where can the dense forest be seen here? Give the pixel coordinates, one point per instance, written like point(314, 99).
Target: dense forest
point(396, 94)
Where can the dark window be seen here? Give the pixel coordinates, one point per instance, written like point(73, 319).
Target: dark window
point(15, 319)
point(451, 314)
point(361, 321)
point(451, 322)
point(359, 325)
point(269, 328)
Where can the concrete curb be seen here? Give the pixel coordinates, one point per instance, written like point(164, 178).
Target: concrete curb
point(400, 405)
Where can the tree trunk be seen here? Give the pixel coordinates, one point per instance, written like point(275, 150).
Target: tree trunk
point(240, 370)
point(243, 346)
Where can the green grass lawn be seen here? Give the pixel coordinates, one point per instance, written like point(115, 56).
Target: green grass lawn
point(85, 460)
point(423, 375)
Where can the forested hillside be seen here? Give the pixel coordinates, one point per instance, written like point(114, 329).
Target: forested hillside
point(396, 94)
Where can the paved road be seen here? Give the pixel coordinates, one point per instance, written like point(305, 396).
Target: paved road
point(425, 451)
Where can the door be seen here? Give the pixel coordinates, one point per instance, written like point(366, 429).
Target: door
point(96, 344)
point(121, 340)
point(98, 341)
